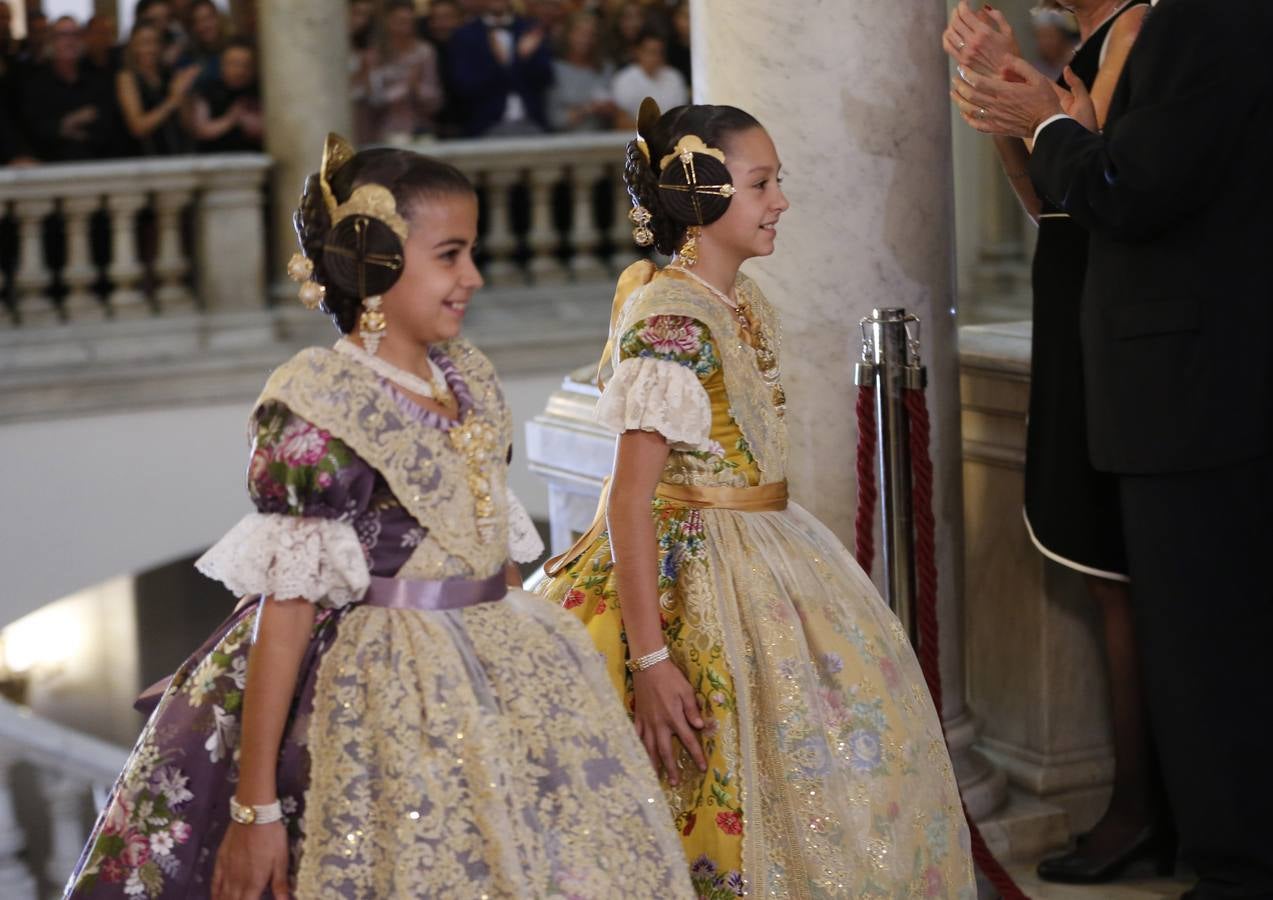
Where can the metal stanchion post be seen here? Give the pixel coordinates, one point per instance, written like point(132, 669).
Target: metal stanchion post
point(890, 364)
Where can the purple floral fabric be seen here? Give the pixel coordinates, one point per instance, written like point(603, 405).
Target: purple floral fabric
point(158, 835)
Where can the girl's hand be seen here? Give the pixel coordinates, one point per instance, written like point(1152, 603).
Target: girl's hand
point(251, 857)
point(666, 706)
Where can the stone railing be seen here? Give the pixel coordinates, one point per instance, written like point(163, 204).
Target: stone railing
point(128, 238)
point(52, 781)
point(553, 206)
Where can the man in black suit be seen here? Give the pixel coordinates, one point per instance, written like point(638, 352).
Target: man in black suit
point(1177, 326)
point(500, 69)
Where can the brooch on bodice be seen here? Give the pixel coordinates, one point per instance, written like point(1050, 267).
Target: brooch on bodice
point(477, 440)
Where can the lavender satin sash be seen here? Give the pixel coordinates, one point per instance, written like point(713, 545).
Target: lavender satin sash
point(453, 593)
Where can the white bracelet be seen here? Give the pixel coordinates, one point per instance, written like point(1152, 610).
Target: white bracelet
point(255, 815)
point(640, 664)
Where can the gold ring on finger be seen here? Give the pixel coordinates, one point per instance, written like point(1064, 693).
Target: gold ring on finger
point(981, 112)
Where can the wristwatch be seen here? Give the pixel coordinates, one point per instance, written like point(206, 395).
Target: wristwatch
point(255, 815)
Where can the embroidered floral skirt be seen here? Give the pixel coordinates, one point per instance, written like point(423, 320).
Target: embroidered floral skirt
point(827, 771)
point(428, 754)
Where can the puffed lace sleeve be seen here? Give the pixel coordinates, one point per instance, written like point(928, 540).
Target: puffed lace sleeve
point(524, 543)
point(308, 488)
point(658, 384)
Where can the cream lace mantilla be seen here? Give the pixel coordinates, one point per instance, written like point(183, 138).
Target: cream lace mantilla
point(429, 478)
point(751, 400)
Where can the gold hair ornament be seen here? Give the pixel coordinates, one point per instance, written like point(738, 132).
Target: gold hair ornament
point(371, 324)
point(372, 201)
point(687, 255)
point(686, 149)
point(300, 268)
point(640, 217)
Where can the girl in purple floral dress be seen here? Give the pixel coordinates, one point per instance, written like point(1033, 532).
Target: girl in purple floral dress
point(381, 716)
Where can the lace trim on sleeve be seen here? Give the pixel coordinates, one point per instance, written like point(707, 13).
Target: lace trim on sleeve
point(286, 557)
point(524, 544)
point(647, 394)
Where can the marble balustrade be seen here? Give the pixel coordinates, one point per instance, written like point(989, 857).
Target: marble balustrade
point(554, 206)
point(123, 239)
point(128, 239)
point(66, 775)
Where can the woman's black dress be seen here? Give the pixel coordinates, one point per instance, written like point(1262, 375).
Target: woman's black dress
point(1071, 509)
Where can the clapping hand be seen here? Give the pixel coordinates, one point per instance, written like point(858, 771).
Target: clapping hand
point(529, 42)
point(182, 82)
point(980, 41)
point(74, 125)
point(1015, 102)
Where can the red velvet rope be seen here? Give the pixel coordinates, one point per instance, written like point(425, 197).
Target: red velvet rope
point(926, 613)
point(928, 650)
point(864, 544)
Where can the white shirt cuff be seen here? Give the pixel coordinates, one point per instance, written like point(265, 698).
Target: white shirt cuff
point(1046, 122)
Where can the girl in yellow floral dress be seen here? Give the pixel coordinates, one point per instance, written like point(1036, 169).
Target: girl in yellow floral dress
point(770, 684)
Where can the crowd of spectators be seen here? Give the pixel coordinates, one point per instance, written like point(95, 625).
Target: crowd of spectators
point(472, 68)
point(183, 82)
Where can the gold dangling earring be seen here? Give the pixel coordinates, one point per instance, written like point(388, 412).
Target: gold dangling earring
point(640, 217)
point(371, 324)
point(688, 254)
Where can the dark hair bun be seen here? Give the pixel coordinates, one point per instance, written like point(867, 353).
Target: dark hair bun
point(685, 205)
point(362, 256)
point(311, 220)
point(672, 210)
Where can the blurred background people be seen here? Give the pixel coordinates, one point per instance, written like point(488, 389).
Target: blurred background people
point(678, 42)
point(648, 76)
point(438, 27)
point(226, 115)
point(150, 98)
point(362, 24)
point(209, 30)
point(626, 23)
point(580, 97)
point(68, 110)
point(1056, 37)
point(172, 38)
point(102, 50)
point(501, 67)
point(404, 89)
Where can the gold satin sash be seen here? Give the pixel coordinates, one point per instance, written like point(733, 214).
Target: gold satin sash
point(761, 498)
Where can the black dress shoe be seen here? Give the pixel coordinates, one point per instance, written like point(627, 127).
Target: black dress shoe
point(1076, 867)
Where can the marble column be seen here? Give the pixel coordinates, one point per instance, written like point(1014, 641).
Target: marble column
point(305, 79)
point(854, 96)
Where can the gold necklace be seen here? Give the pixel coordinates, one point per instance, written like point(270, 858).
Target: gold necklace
point(735, 307)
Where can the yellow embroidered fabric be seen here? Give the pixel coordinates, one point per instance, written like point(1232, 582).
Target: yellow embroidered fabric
point(827, 771)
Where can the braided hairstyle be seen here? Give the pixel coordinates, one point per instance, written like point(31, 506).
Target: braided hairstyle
point(411, 178)
point(672, 212)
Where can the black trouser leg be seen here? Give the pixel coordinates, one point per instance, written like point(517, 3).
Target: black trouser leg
point(1200, 551)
